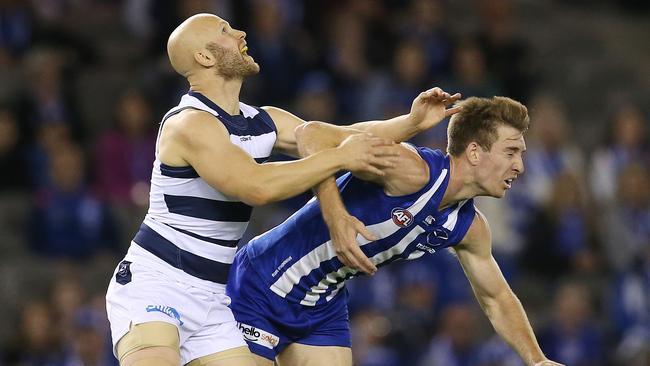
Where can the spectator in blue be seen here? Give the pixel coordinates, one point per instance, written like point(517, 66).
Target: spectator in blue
point(626, 143)
point(563, 235)
point(625, 223)
point(68, 222)
point(456, 342)
point(573, 337)
point(630, 311)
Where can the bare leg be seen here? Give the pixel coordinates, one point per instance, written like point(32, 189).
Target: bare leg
point(298, 354)
point(239, 356)
point(150, 344)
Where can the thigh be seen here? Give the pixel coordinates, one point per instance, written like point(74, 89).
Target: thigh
point(148, 344)
point(239, 356)
point(298, 354)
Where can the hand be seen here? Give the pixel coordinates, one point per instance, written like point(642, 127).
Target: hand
point(429, 108)
point(548, 363)
point(343, 232)
point(364, 153)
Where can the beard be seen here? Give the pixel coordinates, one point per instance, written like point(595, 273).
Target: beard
point(232, 65)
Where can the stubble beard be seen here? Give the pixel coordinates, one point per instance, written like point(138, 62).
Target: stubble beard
point(232, 65)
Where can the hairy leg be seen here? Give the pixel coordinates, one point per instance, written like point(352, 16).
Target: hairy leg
point(298, 354)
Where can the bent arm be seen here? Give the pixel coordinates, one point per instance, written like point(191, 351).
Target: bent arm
point(194, 138)
point(497, 300)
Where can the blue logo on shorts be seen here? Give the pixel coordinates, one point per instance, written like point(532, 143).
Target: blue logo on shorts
point(167, 310)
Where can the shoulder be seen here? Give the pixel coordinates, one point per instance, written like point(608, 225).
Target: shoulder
point(191, 124)
point(282, 118)
point(478, 233)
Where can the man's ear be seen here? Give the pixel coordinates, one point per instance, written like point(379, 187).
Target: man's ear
point(204, 57)
point(473, 153)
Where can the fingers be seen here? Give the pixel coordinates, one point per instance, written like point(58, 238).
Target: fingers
point(438, 95)
point(363, 262)
point(352, 256)
point(363, 230)
point(452, 111)
point(378, 141)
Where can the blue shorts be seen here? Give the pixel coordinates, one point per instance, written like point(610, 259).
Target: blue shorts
point(269, 323)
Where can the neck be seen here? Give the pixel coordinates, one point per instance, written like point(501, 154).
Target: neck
point(223, 92)
point(462, 184)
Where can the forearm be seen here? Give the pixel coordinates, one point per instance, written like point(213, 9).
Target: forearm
point(312, 138)
point(399, 128)
point(509, 320)
point(281, 180)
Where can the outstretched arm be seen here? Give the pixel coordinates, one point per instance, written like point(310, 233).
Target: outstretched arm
point(427, 110)
point(194, 138)
point(494, 295)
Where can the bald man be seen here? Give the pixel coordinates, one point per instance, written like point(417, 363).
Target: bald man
point(166, 301)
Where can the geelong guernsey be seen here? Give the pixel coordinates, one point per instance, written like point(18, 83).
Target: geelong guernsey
point(297, 260)
point(190, 225)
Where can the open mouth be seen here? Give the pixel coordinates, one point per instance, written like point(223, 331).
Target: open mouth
point(508, 182)
point(244, 50)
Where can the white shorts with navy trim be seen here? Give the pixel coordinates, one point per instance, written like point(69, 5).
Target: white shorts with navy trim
point(143, 292)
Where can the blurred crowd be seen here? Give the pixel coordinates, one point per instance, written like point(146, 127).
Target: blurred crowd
point(84, 83)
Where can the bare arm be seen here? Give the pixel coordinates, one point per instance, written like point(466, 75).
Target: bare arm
point(428, 109)
point(494, 295)
point(403, 167)
point(195, 138)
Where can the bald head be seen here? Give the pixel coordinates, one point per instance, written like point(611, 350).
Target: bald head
point(192, 36)
point(205, 42)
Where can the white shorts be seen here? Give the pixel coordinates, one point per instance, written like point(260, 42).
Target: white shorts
point(140, 293)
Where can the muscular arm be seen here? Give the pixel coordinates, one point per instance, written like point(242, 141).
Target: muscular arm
point(494, 295)
point(407, 174)
point(195, 138)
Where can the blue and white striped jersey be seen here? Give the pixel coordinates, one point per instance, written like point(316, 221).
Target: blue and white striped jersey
point(190, 225)
point(297, 260)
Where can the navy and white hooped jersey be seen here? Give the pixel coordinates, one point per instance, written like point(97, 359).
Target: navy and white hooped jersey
point(297, 260)
point(190, 225)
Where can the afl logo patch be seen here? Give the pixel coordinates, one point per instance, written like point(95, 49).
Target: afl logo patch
point(401, 217)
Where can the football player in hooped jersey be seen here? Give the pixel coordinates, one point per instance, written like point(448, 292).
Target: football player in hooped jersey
point(288, 286)
point(166, 301)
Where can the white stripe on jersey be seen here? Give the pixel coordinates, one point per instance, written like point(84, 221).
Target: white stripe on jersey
point(199, 247)
point(193, 193)
point(259, 146)
point(190, 187)
point(223, 230)
point(453, 217)
point(312, 260)
point(397, 249)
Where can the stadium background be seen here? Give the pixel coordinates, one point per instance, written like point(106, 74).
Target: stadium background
point(83, 84)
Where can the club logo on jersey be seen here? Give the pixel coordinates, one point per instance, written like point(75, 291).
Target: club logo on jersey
point(429, 220)
point(401, 217)
point(123, 275)
point(258, 336)
point(437, 237)
point(167, 310)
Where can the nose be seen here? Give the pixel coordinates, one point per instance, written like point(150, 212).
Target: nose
point(241, 34)
point(518, 166)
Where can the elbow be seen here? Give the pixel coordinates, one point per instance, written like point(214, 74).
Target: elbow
point(304, 135)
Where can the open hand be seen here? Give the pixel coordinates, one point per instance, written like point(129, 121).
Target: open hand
point(430, 107)
point(364, 153)
point(343, 232)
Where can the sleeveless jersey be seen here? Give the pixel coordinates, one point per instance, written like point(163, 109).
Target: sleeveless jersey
point(297, 260)
point(190, 225)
